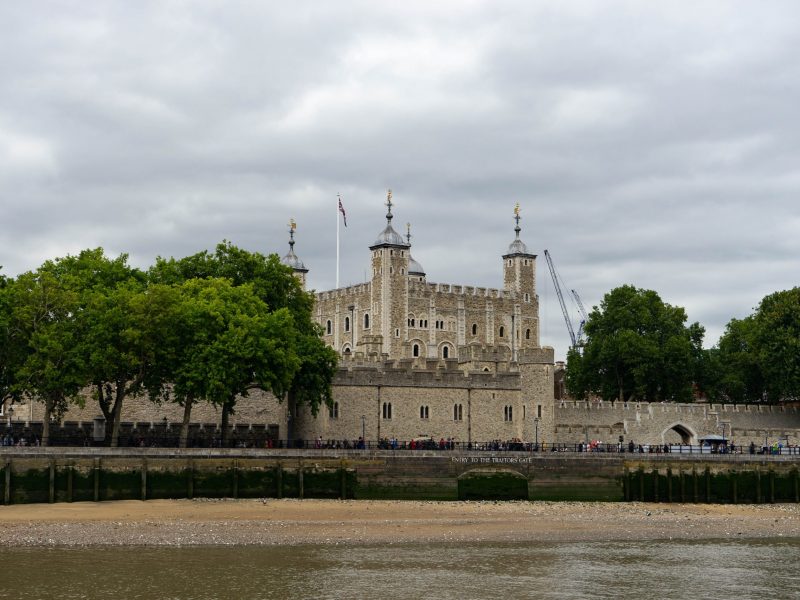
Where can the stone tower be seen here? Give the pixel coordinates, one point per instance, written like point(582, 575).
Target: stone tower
point(519, 276)
point(291, 259)
point(390, 257)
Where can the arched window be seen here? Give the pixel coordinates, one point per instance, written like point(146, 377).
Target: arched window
point(474, 329)
point(346, 350)
point(502, 331)
point(347, 323)
point(415, 350)
point(527, 334)
point(328, 327)
point(387, 410)
point(366, 320)
point(445, 352)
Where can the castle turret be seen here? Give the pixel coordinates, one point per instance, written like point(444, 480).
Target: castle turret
point(519, 276)
point(390, 258)
point(291, 259)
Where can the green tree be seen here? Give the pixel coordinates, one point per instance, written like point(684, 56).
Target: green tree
point(637, 348)
point(43, 361)
point(275, 284)
point(777, 339)
point(227, 343)
point(759, 356)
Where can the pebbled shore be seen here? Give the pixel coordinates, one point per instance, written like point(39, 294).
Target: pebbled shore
point(284, 522)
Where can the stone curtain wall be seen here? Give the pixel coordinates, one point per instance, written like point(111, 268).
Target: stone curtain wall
point(646, 423)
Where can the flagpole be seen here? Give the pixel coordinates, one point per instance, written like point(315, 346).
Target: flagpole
point(337, 241)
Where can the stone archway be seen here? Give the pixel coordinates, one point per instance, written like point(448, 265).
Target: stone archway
point(679, 433)
point(492, 484)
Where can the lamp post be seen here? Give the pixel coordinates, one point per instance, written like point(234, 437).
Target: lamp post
point(536, 424)
point(364, 430)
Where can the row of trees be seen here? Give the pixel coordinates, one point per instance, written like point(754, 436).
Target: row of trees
point(640, 348)
point(210, 327)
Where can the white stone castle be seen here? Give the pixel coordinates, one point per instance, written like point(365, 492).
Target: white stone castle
point(425, 359)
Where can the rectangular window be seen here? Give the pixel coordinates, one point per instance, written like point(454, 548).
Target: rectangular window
point(539, 411)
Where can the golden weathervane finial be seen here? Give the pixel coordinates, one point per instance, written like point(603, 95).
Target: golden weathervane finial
point(516, 209)
point(292, 224)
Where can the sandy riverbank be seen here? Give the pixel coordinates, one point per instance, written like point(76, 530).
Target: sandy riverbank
point(257, 522)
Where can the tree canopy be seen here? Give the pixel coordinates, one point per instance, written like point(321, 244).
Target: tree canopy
point(758, 357)
point(637, 348)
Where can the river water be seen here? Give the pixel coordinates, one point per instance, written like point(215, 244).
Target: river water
point(637, 570)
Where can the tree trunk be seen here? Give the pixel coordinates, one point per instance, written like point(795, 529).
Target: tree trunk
point(187, 414)
point(116, 413)
point(226, 412)
point(48, 411)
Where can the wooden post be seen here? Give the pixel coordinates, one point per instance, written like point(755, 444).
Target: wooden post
point(655, 485)
point(796, 485)
point(190, 480)
point(734, 486)
point(682, 480)
point(52, 485)
point(708, 485)
point(626, 485)
point(758, 487)
point(235, 478)
point(70, 475)
point(7, 491)
point(300, 482)
point(641, 484)
point(695, 495)
point(669, 484)
point(343, 481)
point(279, 480)
point(144, 479)
point(96, 479)
point(772, 487)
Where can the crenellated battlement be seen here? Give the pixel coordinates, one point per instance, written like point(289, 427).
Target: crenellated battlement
point(345, 292)
point(462, 290)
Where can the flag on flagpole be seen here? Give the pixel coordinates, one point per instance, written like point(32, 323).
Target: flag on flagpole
point(341, 210)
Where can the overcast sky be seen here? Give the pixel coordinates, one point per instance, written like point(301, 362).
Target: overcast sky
point(649, 143)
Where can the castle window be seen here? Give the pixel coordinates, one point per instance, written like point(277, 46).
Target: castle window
point(346, 350)
point(539, 411)
point(387, 410)
point(391, 270)
point(328, 327)
point(527, 334)
point(474, 329)
point(366, 320)
point(508, 413)
point(333, 411)
point(525, 262)
point(415, 350)
point(402, 271)
point(445, 352)
point(502, 331)
point(485, 369)
point(347, 324)
point(423, 412)
point(458, 412)
point(510, 262)
point(396, 333)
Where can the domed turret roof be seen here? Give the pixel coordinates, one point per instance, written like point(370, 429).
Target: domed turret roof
point(389, 237)
point(291, 259)
point(517, 247)
point(414, 268)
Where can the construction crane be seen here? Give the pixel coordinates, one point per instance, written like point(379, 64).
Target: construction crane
point(552, 268)
point(584, 316)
